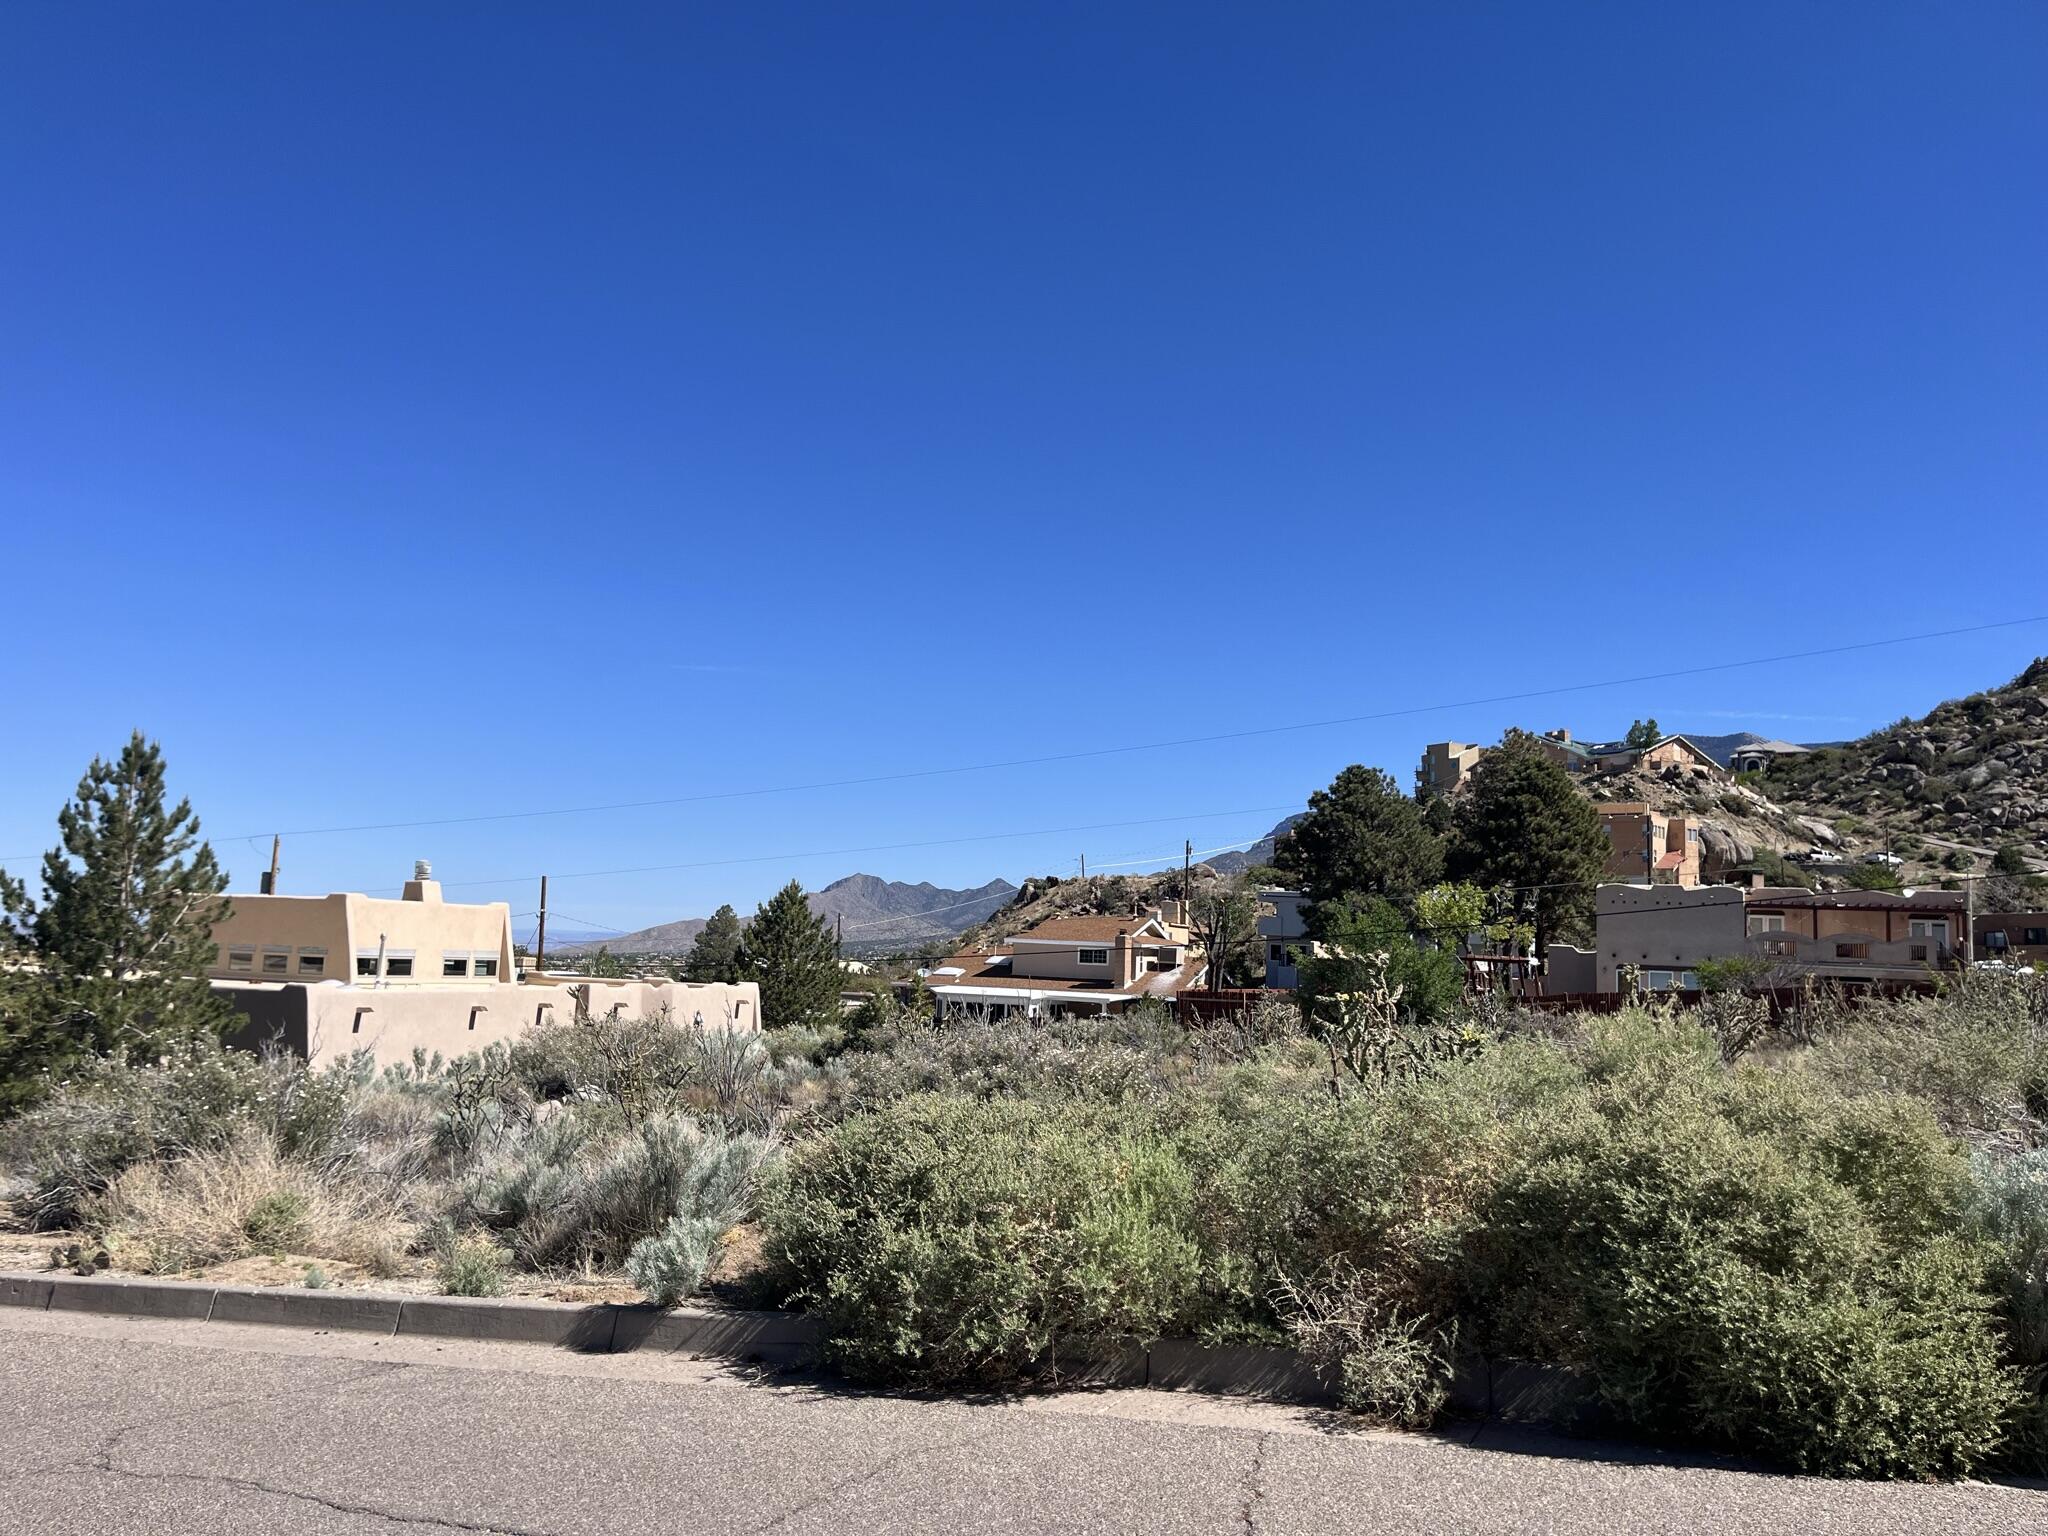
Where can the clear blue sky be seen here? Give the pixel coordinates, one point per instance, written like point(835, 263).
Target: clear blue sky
point(423, 410)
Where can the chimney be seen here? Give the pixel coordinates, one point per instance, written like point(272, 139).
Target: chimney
point(1756, 882)
point(422, 886)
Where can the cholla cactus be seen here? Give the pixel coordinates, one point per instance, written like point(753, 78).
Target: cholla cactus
point(1372, 1041)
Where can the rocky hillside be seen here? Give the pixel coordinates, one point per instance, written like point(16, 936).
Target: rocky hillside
point(1098, 895)
point(1945, 790)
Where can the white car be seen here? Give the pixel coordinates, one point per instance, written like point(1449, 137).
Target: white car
point(1885, 857)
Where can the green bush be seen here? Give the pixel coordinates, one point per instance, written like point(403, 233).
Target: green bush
point(946, 1240)
point(472, 1266)
point(2009, 1209)
point(1723, 1256)
point(278, 1220)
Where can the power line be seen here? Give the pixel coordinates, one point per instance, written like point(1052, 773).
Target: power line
point(936, 842)
point(1084, 754)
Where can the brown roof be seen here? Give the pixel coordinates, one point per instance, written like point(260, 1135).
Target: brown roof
point(1919, 901)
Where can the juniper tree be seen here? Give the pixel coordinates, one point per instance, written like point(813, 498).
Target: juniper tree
point(123, 935)
point(1361, 837)
point(716, 954)
point(789, 951)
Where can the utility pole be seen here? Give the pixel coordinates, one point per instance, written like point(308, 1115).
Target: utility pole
point(270, 880)
point(1084, 869)
point(1969, 922)
point(1187, 876)
point(839, 934)
point(540, 934)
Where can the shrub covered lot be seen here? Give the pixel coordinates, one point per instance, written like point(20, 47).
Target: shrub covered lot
point(1830, 1250)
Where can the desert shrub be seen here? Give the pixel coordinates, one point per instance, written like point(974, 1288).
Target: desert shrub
point(670, 1265)
point(471, 1265)
point(239, 1199)
point(112, 1114)
point(580, 1189)
point(2009, 1209)
point(1976, 1053)
point(1712, 1249)
point(987, 1058)
point(279, 1220)
point(1390, 1368)
point(956, 1240)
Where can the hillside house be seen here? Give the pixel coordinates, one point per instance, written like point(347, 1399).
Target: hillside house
point(1758, 756)
point(1069, 965)
point(1666, 752)
point(1647, 847)
point(1282, 930)
point(2019, 938)
point(1851, 938)
point(1445, 767)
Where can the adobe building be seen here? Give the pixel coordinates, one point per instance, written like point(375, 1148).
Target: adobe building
point(1647, 847)
point(326, 976)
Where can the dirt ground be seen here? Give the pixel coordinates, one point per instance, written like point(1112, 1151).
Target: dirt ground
point(736, 1278)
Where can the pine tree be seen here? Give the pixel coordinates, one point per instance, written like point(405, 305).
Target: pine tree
point(1521, 823)
point(790, 952)
point(123, 935)
point(716, 954)
point(1643, 733)
point(1361, 837)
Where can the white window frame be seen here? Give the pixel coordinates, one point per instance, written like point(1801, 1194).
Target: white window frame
point(1927, 928)
point(283, 957)
point(1099, 957)
point(459, 957)
point(371, 956)
point(1766, 922)
point(399, 954)
point(317, 956)
point(480, 959)
point(243, 959)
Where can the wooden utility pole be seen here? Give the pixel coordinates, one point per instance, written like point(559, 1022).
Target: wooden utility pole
point(540, 934)
point(1187, 875)
point(839, 933)
point(270, 880)
point(1084, 869)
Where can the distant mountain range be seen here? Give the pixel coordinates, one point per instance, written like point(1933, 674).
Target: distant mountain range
point(1260, 852)
point(876, 914)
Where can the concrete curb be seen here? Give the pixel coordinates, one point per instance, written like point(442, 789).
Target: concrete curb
point(778, 1338)
point(1512, 1391)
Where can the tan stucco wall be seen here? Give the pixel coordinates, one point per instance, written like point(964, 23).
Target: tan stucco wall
point(329, 1022)
point(345, 923)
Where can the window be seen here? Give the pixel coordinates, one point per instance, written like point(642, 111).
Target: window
point(1279, 955)
point(1995, 939)
point(1093, 956)
point(485, 965)
point(245, 959)
point(312, 962)
point(1656, 981)
point(2034, 935)
point(1917, 952)
point(277, 962)
point(455, 963)
point(1927, 928)
point(1852, 951)
point(366, 963)
point(398, 965)
point(1766, 922)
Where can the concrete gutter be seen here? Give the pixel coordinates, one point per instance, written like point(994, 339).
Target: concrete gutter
point(1511, 1391)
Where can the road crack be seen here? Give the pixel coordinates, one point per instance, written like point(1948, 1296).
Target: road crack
point(339, 1506)
point(848, 1484)
point(1252, 1487)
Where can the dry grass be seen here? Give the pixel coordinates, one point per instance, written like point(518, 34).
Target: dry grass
point(240, 1201)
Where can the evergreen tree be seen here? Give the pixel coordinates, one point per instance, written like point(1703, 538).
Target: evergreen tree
point(123, 936)
point(1644, 733)
point(1361, 837)
point(1522, 823)
point(716, 954)
point(789, 951)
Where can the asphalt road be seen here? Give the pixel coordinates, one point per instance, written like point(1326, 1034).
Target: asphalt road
point(112, 1425)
